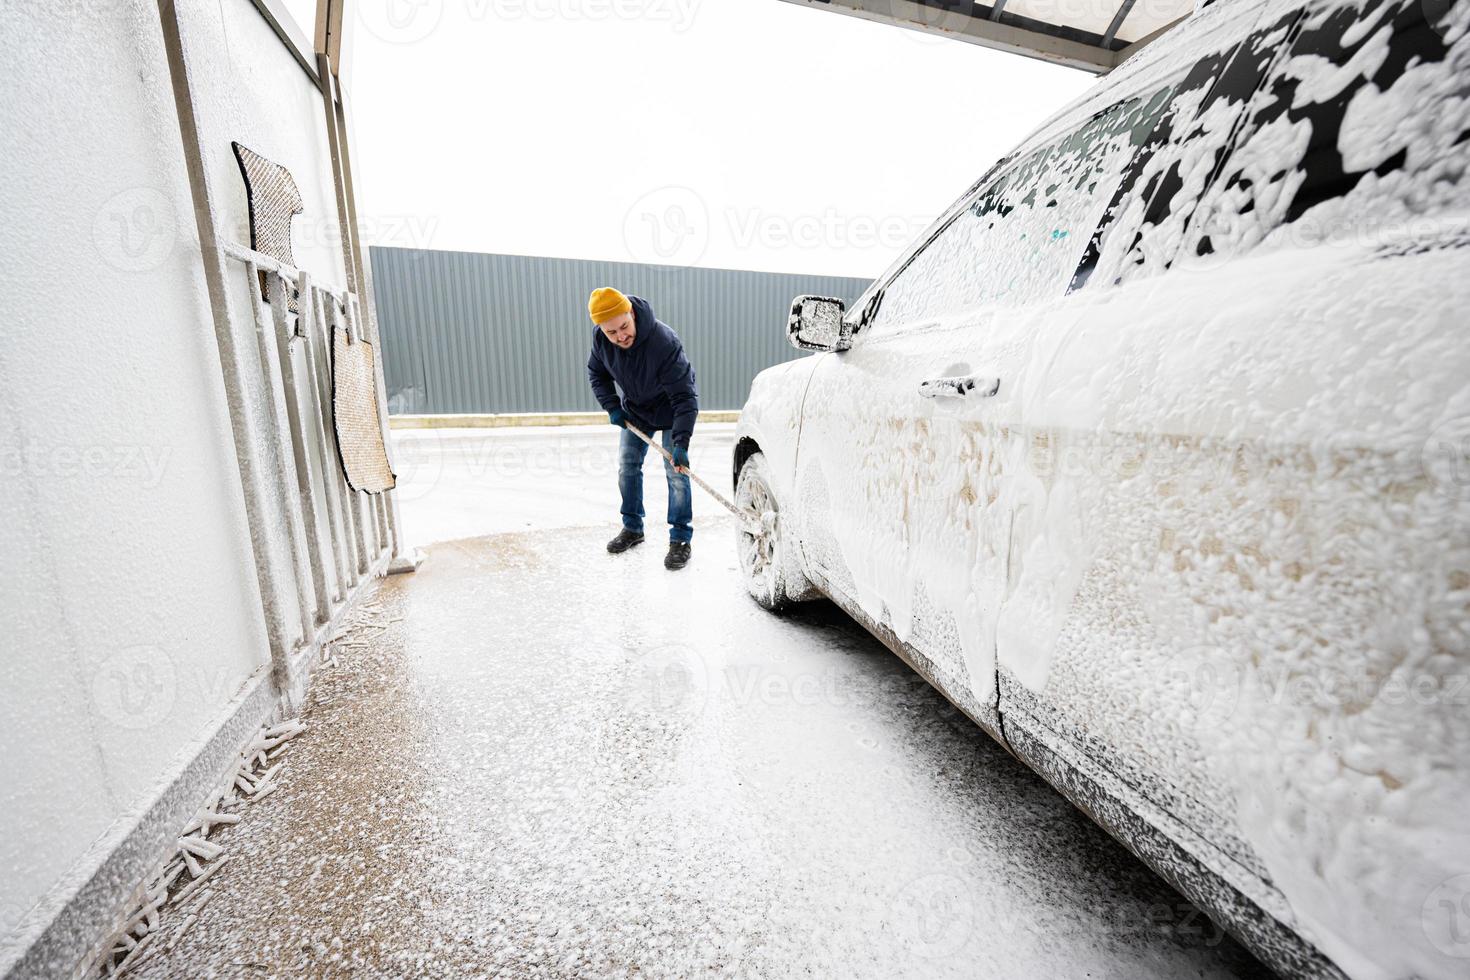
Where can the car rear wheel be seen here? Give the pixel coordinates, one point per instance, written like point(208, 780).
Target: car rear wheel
point(765, 557)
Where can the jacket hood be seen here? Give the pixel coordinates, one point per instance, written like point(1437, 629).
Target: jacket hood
point(643, 320)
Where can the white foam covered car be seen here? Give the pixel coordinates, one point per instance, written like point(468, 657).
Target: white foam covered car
point(1151, 456)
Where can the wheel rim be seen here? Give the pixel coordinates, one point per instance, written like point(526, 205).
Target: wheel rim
point(758, 549)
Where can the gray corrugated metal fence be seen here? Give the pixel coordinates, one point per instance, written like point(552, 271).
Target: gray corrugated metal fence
point(471, 332)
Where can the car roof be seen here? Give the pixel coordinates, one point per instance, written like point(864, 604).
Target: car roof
point(1206, 30)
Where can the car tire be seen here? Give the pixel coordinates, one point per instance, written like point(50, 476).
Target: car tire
point(771, 570)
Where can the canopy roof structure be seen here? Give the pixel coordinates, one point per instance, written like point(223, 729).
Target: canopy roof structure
point(1091, 35)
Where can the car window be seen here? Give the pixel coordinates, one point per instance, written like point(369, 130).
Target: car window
point(1141, 227)
point(1364, 125)
point(1019, 237)
point(1333, 121)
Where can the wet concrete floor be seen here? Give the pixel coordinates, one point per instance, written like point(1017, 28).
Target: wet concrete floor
point(558, 763)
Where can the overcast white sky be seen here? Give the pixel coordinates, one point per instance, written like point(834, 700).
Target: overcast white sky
point(750, 134)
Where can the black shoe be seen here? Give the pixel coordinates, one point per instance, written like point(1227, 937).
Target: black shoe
point(625, 540)
point(678, 555)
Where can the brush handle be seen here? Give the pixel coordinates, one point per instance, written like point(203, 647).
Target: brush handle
point(742, 518)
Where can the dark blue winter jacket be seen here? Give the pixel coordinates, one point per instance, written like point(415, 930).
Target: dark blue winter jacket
point(656, 379)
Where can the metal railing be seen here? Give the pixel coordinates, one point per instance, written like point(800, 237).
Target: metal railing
point(337, 536)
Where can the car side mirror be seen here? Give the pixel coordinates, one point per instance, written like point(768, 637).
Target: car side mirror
point(816, 324)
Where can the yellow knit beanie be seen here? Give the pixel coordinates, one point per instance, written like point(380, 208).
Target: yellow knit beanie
point(606, 303)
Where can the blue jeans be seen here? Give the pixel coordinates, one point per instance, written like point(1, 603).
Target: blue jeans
point(630, 483)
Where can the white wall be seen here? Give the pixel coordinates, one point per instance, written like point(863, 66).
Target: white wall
point(130, 613)
point(247, 86)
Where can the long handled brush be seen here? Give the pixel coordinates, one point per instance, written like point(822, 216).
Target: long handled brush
point(749, 522)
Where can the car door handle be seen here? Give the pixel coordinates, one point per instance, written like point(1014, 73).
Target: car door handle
point(974, 385)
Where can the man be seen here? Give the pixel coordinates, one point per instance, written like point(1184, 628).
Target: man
point(646, 359)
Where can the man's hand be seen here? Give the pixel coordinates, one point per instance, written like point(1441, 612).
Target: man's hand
point(617, 417)
point(681, 459)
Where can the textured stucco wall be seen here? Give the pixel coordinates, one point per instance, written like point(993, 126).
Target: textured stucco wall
point(248, 87)
point(131, 615)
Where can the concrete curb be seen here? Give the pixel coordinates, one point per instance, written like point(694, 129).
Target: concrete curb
point(471, 421)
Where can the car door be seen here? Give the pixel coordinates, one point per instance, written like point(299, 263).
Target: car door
point(910, 439)
point(900, 496)
point(1259, 568)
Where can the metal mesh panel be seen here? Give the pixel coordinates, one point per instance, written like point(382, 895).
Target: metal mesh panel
point(355, 407)
point(274, 200)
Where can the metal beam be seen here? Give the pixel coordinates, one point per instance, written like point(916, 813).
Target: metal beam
point(318, 27)
point(329, 17)
point(234, 364)
point(1124, 9)
point(289, 32)
point(347, 239)
point(1123, 54)
point(986, 33)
